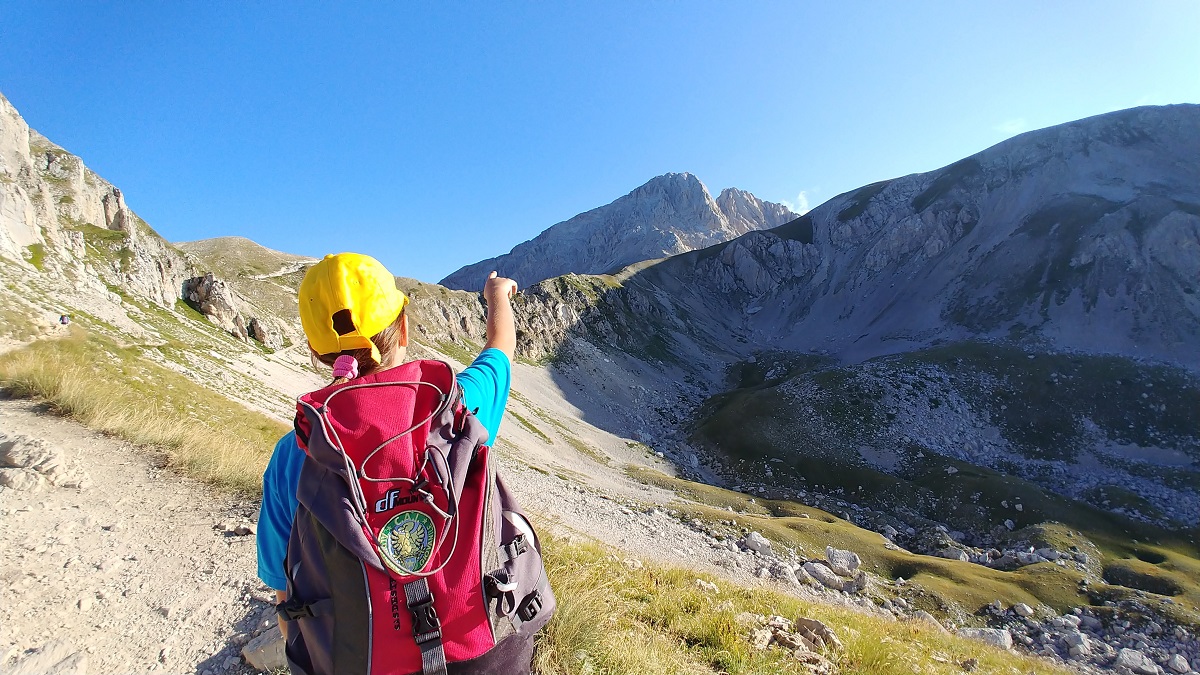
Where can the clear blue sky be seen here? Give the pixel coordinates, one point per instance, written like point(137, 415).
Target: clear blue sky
point(437, 134)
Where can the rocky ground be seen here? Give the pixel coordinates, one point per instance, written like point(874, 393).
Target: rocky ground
point(128, 568)
point(116, 565)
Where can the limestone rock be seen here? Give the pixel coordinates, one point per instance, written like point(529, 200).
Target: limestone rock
point(824, 575)
point(22, 479)
point(925, 617)
point(24, 452)
point(1178, 664)
point(266, 332)
point(997, 637)
point(1077, 644)
point(1022, 610)
point(757, 543)
point(1136, 662)
point(215, 300)
point(55, 658)
point(817, 633)
point(843, 563)
point(265, 652)
point(761, 638)
point(708, 586)
point(858, 584)
point(953, 554)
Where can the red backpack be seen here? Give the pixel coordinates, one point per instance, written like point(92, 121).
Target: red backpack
point(407, 554)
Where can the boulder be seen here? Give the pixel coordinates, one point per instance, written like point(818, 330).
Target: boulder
point(1077, 644)
point(1022, 610)
point(265, 652)
point(215, 300)
point(757, 543)
point(761, 638)
point(997, 637)
point(784, 572)
point(843, 563)
point(953, 554)
point(266, 333)
point(1178, 664)
point(817, 633)
point(1136, 662)
point(823, 575)
point(22, 479)
point(925, 617)
point(858, 584)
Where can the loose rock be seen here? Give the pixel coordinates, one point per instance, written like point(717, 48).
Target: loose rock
point(265, 652)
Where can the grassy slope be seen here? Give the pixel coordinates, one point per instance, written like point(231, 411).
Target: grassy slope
point(114, 389)
point(611, 619)
point(1034, 402)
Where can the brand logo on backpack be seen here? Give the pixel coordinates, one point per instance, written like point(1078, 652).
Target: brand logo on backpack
point(393, 499)
point(406, 541)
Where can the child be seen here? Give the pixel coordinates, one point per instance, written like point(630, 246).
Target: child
point(353, 317)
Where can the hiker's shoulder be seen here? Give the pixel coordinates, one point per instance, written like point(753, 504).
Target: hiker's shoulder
point(287, 456)
point(491, 364)
point(492, 358)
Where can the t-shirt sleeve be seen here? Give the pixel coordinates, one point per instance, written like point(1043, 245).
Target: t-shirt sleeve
point(485, 384)
point(278, 510)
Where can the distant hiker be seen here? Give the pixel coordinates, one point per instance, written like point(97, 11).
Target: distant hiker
point(393, 545)
point(64, 319)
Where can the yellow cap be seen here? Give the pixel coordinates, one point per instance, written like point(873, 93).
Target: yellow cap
point(348, 281)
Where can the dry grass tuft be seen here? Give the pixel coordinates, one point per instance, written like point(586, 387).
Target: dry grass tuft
point(620, 621)
point(112, 389)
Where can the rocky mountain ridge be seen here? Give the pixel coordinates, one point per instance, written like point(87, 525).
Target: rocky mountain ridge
point(57, 214)
point(836, 360)
point(670, 214)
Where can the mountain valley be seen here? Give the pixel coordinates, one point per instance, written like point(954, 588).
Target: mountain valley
point(981, 380)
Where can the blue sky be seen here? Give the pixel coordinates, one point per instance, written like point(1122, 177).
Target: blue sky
point(437, 134)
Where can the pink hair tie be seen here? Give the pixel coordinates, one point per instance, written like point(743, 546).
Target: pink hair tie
point(345, 366)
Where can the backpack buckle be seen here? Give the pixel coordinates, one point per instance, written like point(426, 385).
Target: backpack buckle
point(426, 625)
point(530, 606)
point(514, 548)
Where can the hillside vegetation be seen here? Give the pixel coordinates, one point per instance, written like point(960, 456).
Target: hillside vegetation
point(612, 618)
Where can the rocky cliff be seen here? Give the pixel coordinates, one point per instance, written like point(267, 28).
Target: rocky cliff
point(59, 216)
point(670, 214)
point(1083, 236)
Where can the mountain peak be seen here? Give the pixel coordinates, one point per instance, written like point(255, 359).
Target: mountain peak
point(669, 214)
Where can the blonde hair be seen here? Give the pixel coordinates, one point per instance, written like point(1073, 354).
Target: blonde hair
point(387, 341)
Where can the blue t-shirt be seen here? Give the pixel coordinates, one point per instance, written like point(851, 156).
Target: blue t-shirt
point(485, 384)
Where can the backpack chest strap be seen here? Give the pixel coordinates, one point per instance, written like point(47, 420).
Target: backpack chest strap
point(427, 629)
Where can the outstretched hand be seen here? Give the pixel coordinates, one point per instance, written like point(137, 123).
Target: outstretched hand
point(498, 287)
point(501, 333)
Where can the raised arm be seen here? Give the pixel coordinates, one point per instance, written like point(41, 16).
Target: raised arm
point(501, 332)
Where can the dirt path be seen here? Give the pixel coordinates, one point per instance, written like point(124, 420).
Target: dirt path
point(129, 573)
point(138, 569)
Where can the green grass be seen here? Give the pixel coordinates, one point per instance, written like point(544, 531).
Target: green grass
point(615, 620)
point(457, 352)
point(949, 586)
point(530, 427)
point(37, 256)
point(115, 390)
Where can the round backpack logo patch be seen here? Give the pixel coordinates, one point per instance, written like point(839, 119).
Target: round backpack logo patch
point(406, 541)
